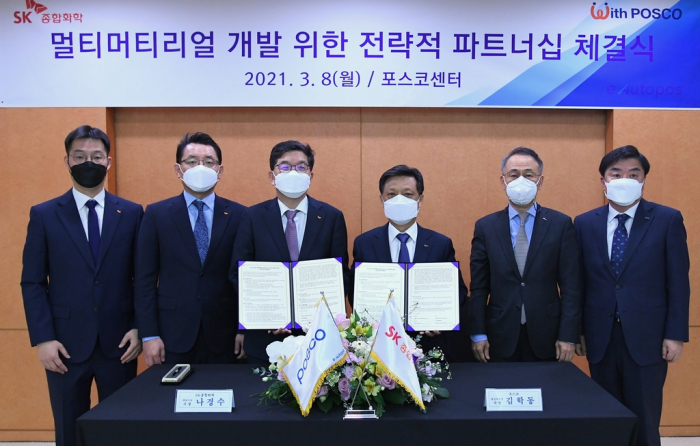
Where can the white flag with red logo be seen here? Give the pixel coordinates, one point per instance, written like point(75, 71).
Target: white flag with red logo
point(321, 351)
point(393, 351)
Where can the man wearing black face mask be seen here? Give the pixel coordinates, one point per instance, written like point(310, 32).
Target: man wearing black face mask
point(77, 284)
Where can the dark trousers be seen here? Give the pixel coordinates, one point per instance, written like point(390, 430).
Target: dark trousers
point(523, 350)
point(639, 388)
point(70, 392)
point(200, 353)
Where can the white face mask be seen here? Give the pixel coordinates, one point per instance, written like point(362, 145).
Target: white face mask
point(292, 184)
point(623, 191)
point(522, 191)
point(400, 209)
point(200, 178)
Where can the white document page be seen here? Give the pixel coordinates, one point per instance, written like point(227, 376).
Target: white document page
point(264, 301)
point(433, 296)
point(373, 283)
point(310, 278)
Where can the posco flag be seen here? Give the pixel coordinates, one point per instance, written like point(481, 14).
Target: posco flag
point(320, 352)
point(392, 351)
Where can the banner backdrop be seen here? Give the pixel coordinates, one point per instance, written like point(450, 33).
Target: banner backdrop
point(463, 53)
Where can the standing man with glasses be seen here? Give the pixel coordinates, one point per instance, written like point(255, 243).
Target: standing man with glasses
point(525, 301)
point(77, 284)
point(636, 290)
point(288, 228)
point(184, 302)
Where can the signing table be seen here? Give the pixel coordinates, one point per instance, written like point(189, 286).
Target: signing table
point(576, 412)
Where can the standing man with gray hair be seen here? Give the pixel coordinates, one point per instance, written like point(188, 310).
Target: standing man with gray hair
point(525, 302)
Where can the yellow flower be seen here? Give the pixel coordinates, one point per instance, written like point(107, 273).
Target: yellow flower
point(371, 387)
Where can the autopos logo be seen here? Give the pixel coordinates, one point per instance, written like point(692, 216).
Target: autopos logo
point(26, 15)
point(605, 11)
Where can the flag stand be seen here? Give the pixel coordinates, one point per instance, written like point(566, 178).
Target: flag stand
point(363, 414)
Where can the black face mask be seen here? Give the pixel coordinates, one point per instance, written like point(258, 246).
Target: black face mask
point(88, 174)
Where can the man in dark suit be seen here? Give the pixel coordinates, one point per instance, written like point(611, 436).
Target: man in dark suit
point(403, 240)
point(77, 284)
point(636, 290)
point(185, 306)
point(288, 228)
point(526, 304)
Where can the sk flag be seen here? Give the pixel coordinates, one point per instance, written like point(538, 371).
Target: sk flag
point(320, 352)
point(392, 350)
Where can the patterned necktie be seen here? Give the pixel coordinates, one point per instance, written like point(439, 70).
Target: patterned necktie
point(290, 233)
point(201, 233)
point(619, 242)
point(93, 229)
point(403, 251)
point(521, 247)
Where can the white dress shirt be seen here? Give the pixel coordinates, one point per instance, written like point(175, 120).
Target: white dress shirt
point(612, 223)
point(299, 219)
point(395, 243)
point(80, 200)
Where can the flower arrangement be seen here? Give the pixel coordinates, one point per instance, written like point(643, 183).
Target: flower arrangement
point(341, 385)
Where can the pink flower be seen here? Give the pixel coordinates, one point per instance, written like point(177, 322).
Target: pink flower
point(348, 371)
point(346, 343)
point(386, 382)
point(352, 358)
point(344, 387)
point(341, 321)
point(322, 391)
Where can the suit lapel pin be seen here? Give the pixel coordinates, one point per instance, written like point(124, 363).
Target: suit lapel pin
point(646, 218)
point(119, 211)
point(425, 246)
point(544, 219)
point(318, 216)
point(225, 213)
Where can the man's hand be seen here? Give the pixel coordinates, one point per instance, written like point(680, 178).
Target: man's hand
point(565, 351)
point(134, 350)
point(481, 350)
point(430, 333)
point(154, 351)
point(280, 331)
point(581, 348)
point(49, 356)
point(240, 353)
point(671, 350)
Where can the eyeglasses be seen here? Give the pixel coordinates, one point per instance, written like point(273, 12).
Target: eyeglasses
point(286, 167)
point(192, 162)
point(79, 158)
point(512, 176)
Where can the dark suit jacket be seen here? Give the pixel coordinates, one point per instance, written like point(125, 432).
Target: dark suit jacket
point(652, 291)
point(261, 238)
point(549, 286)
point(431, 246)
point(175, 293)
point(67, 296)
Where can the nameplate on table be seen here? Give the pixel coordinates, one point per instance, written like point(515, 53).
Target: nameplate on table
point(204, 400)
point(513, 400)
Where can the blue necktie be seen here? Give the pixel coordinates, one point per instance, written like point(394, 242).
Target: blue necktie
point(201, 234)
point(93, 229)
point(619, 242)
point(403, 252)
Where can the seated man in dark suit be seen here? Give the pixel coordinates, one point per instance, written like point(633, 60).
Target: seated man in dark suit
point(184, 301)
point(526, 303)
point(636, 290)
point(288, 228)
point(403, 240)
point(77, 284)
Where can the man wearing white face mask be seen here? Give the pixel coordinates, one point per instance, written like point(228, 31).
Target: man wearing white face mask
point(525, 302)
point(289, 228)
point(185, 304)
point(636, 290)
point(403, 240)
